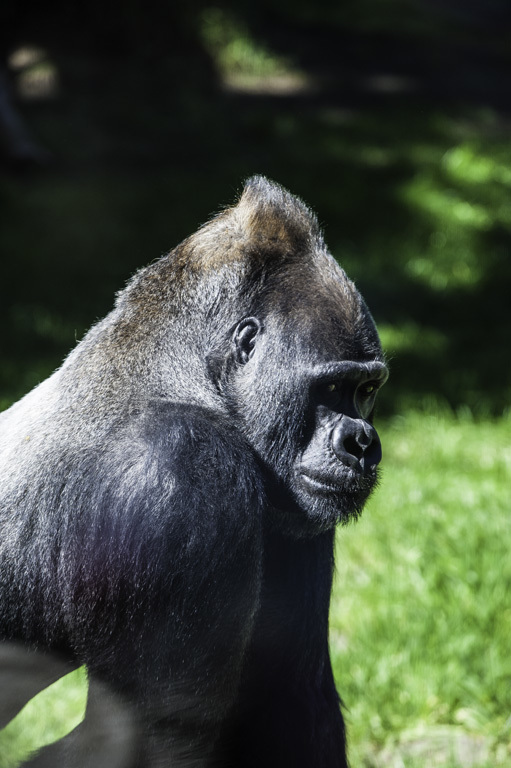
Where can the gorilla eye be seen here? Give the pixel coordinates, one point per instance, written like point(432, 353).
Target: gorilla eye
point(330, 393)
point(367, 390)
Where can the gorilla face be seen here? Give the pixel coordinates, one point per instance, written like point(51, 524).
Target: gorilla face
point(307, 410)
point(335, 468)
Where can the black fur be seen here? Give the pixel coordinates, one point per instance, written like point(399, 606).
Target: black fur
point(169, 496)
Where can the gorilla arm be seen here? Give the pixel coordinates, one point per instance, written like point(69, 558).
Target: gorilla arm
point(158, 572)
point(192, 531)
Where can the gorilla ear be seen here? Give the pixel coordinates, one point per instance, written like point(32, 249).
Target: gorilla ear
point(242, 347)
point(244, 338)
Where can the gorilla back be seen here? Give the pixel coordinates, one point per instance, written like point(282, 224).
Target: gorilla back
point(169, 496)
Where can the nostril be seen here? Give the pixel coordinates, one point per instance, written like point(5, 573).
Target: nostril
point(356, 443)
point(365, 435)
point(352, 445)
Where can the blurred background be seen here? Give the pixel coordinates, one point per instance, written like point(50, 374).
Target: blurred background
point(125, 125)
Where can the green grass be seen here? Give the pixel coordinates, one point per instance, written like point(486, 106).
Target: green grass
point(421, 615)
point(45, 719)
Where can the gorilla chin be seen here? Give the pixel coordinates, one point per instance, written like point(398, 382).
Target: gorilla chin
point(327, 503)
point(313, 506)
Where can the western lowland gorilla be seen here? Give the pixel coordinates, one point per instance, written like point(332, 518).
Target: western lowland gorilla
point(169, 496)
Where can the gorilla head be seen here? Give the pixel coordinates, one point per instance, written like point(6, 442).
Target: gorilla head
point(300, 363)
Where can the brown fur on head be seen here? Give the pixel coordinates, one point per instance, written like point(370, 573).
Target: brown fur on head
point(266, 218)
point(269, 214)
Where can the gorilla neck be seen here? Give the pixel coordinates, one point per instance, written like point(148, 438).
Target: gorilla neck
point(109, 368)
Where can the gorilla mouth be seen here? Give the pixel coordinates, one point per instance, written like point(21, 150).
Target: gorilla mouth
point(352, 482)
point(320, 484)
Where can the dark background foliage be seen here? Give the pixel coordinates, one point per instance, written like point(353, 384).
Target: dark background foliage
point(139, 120)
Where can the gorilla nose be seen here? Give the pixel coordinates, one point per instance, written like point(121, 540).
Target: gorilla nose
point(355, 442)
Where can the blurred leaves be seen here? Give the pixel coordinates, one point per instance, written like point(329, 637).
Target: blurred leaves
point(233, 47)
point(401, 146)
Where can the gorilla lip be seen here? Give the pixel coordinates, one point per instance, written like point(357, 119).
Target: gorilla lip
point(319, 485)
point(362, 482)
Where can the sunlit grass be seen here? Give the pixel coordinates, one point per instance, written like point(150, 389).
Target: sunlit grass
point(421, 615)
point(46, 718)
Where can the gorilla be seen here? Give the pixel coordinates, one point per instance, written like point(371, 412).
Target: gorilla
point(169, 496)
